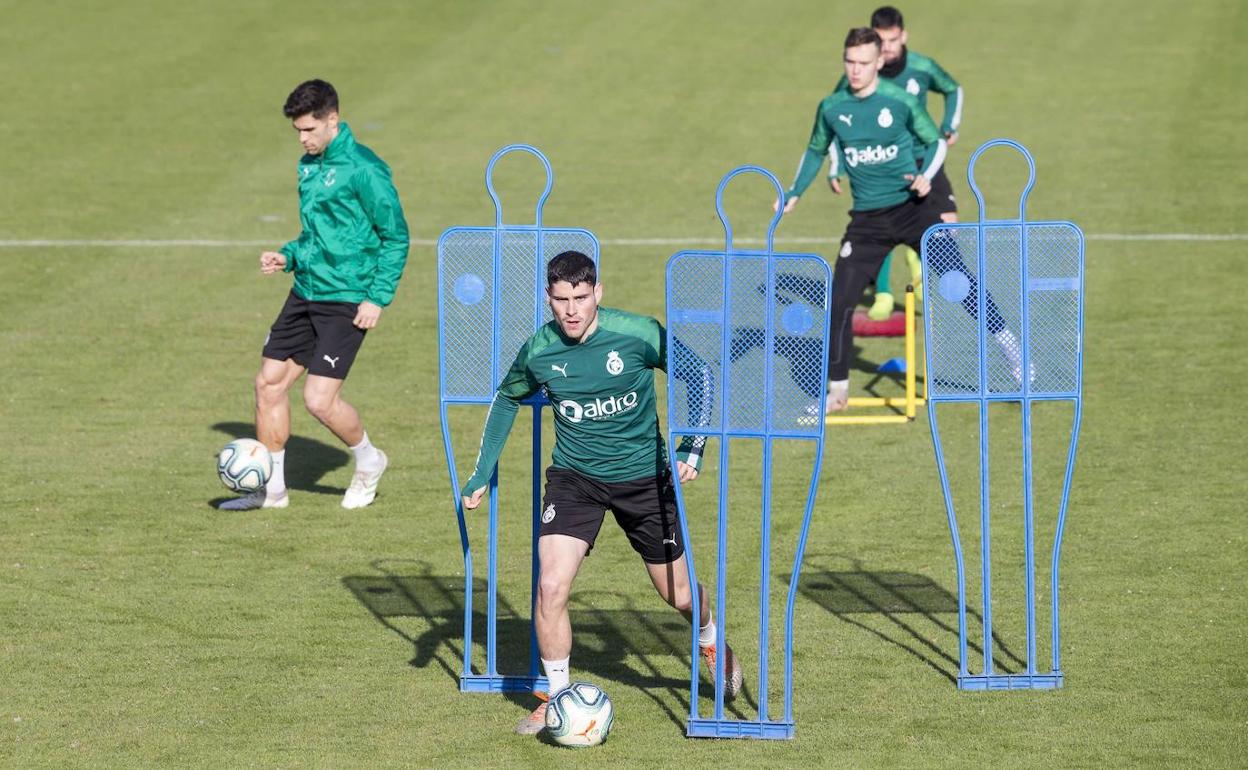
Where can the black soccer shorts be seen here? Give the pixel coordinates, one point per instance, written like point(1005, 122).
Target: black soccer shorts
point(575, 505)
point(319, 336)
point(941, 197)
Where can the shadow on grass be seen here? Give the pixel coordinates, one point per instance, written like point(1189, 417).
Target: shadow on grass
point(308, 460)
point(904, 609)
point(612, 645)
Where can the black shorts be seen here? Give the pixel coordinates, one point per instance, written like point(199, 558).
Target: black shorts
point(319, 336)
point(871, 235)
point(941, 197)
point(645, 509)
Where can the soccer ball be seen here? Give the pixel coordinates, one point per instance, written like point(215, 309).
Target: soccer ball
point(579, 715)
point(244, 465)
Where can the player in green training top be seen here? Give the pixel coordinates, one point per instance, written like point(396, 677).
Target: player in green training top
point(346, 264)
point(596, 365)
point(918, 74)
point(891, 150)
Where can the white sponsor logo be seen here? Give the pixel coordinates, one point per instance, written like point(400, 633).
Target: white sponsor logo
point(598, 409)
point(615, 364)
point(869, 156)
point(847, 248)
point(670, 540)
point(846, 119)
point(548, 515)
point(886, 118)
point(561, 369)
point(333, 362)
point(331, 177)
point(912, 87)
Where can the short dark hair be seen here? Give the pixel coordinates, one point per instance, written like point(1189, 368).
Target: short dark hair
point(862, 36)
point(311, 97)
point(887, 17)
point(573, 267)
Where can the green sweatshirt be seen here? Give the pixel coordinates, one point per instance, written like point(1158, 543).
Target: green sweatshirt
point(354, 240)
point(879, 138)
point(601, 390)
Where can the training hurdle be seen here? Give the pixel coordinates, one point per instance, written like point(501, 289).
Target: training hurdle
point(491, 285)
point(756, 323)
point(908, 404)
point(1033, 273)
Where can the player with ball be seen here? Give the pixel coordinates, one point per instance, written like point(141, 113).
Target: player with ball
point(346, 264)
point(596, 365)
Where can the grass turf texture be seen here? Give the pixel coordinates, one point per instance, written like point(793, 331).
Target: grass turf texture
point(144, 628)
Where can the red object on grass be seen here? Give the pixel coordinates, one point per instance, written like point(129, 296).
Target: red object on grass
point(894, 326)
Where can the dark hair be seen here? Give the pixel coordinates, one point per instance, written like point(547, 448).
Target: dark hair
point(862, 36)
point(573, 267)
point(887, 17)
point(311, 97)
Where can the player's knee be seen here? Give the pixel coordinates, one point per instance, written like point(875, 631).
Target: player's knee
point(680, 597)
point(319, 405)
point(949, 217)
point(269, 388)
point(552, 592)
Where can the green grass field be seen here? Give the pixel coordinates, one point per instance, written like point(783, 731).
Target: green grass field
point(141, 627)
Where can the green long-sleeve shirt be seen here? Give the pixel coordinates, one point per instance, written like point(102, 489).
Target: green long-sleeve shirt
point(354, 241)
point(601, 390)
point(919, 74)
point(880, 138)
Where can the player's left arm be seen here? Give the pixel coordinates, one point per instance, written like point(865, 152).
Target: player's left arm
point(944, 83)
point(380, 202)
point(699, 390)
point(927, 136)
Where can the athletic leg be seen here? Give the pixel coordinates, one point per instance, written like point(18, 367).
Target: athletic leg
point(882, 307)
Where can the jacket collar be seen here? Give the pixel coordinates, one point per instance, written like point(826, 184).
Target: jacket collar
point(341, 144)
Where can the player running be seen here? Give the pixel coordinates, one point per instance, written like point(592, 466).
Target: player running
point(891, 149)
point(347, 262)
point(596, 365)
point(918, 74)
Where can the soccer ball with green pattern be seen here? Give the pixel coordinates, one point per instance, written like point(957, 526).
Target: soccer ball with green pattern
point(244, 465)
point(579, 715)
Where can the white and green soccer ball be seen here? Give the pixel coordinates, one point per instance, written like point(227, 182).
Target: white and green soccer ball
point(579, 715)
point(244, 465)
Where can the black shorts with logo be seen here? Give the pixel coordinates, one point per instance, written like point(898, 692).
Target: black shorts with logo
point(575, 505)
point(319, 336)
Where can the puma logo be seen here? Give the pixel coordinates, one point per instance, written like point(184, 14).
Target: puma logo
point(333, 362)
point(561, 369)
point(846, 119)
point(670, 540)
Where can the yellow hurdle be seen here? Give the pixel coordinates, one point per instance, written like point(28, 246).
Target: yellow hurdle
point(909, 403)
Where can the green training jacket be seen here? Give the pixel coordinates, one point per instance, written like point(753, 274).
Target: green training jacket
point(354, 240)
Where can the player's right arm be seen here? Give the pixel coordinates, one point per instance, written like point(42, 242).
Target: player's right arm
point(518, 385)
point(821, 136)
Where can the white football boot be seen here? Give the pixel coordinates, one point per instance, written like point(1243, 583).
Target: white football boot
point(253, 500)
point(363, 487)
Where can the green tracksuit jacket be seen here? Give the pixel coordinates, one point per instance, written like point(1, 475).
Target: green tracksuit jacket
point(354, 240)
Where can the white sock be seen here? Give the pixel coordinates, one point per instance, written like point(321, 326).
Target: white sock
point(277, 480)
point(557, 674)
point(367, 458)
point(706, 634)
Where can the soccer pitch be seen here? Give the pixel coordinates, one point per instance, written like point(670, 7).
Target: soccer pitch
point(147, 163)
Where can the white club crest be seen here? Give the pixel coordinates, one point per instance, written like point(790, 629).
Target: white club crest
point(912, 87)
point(847, 248)
point(886, 118)
point(548, 515)
point(615, 364)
